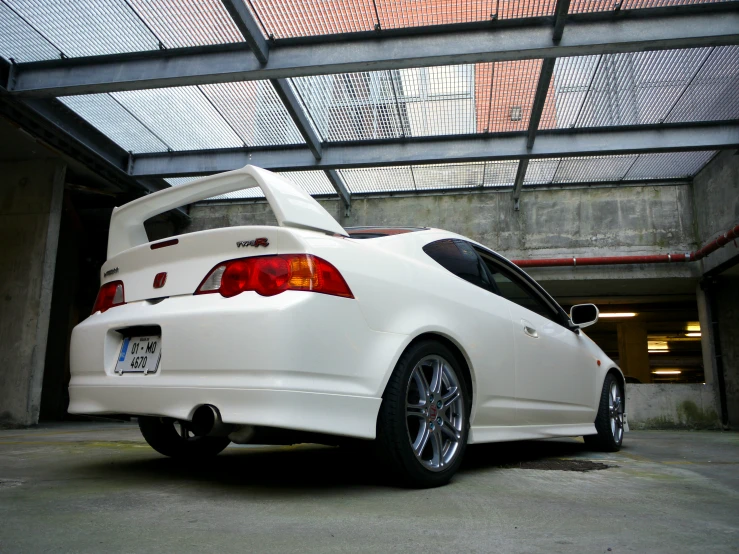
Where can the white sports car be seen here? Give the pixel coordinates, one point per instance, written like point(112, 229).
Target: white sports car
point(417, 339)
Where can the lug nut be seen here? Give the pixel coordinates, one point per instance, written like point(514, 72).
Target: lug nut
point(431, 425)
point(439, 404)
point(438, 420)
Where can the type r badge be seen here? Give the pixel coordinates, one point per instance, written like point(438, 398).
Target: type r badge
point(256, 243)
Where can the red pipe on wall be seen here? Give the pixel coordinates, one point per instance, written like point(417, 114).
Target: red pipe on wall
point(696, 255)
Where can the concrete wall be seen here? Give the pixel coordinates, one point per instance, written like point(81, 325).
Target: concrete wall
point(551, 222)
point(716, 200)
point(30, 208)
point(668, 406)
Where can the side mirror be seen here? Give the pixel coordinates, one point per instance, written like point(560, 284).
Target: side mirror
point(584, 315)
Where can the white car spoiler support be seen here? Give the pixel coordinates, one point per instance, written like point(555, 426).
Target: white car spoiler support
point(292, 206)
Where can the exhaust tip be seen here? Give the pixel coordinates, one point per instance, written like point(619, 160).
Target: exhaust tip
point(204, 419)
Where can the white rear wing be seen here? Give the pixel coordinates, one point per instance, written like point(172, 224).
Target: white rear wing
point(292, 206)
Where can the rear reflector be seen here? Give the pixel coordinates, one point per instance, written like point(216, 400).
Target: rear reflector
point(110, 295)
point(270, 275)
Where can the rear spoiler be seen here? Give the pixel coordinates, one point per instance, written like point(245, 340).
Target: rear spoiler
point(292, 205)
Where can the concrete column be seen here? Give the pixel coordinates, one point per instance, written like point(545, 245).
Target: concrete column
point(633, 356)
point(727, 315)
point(31, 194)
point(707, 338)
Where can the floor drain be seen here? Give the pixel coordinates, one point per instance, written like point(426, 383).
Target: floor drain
point(562, 465)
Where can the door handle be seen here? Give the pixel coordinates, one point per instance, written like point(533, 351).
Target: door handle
point(529, 329)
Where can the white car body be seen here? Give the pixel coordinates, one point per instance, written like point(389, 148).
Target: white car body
point(314, 362)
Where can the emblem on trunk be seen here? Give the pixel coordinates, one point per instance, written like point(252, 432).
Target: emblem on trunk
point(160, 279)
point(110, 272)
point(256, 243)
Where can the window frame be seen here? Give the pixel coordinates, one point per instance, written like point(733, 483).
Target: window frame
point(527, 283)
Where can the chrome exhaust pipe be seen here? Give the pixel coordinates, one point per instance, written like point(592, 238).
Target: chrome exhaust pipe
point(206, 421)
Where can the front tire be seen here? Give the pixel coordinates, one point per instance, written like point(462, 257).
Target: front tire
point(164, 437)
point(610, 419)
point(423, 422)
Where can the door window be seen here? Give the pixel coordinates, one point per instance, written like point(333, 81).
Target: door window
point(513, 288)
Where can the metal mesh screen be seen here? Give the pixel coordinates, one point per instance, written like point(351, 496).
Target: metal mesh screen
point(107, 115)
point(500, 173)
point(183, 118)
point(584, 6)
point(593, 169)
point(180, 23)
point(87, 27)
point(670, 165)
point(299, 18)
point(312, 182)
point(432, 101)
point(466, 175)
point(696, 84)
point(20, 41)
point(254, 112)
point(378, 179)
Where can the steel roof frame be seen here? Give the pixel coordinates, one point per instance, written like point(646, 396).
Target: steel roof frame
point(584, 34)
point(549, 37)
point(550, 143)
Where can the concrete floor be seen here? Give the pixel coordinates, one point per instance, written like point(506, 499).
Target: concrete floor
point(95, 487)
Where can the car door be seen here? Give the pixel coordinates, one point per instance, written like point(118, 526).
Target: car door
point(487, 332)
point(555, 373)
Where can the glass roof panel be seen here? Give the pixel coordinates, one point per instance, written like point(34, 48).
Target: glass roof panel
point(446, 176)
point(86, 27)
point(378, 179)
point(541, 171)
point(500, 173)
point(20, 41)
point(505, 95)
point(669, 165)
point(640, 88)
point(312, 182)
point(183, 118)
point(111, 118)
point(181, 23)
point(254, 112)
point(300, 18)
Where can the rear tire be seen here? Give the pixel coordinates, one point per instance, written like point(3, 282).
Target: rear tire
point(423, 422)
point(163, 436)
point(610, 419)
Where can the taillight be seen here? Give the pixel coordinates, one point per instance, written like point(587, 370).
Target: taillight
point(109, 295)
point(270, 275)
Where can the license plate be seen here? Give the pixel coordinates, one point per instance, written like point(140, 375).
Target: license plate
point(139, 355)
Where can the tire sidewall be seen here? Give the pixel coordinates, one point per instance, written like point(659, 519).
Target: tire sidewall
point(392, 425)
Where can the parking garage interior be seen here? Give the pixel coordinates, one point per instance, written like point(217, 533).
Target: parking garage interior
point(595, 144)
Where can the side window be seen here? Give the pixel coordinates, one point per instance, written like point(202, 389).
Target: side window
point(512, 288)
point(461, 259)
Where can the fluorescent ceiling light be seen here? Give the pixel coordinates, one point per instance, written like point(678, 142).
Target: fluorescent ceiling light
point(658, 351)
point(693, 326)
point(617, 314)
point(693, 334)
point(667, 372)
point(657, 345)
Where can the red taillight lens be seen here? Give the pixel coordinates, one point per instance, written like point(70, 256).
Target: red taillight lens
point(110, 294)
point(270, 275)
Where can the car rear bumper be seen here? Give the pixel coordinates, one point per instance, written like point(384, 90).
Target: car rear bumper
point(333, 414)
point(296, 360)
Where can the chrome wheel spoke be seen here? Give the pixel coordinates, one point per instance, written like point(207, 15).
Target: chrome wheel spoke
point(450, 397)
point(436, 445)
point(422, 439)
point(421, 383)
point(416, 410)
point(436, 375)
point(448, 429)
